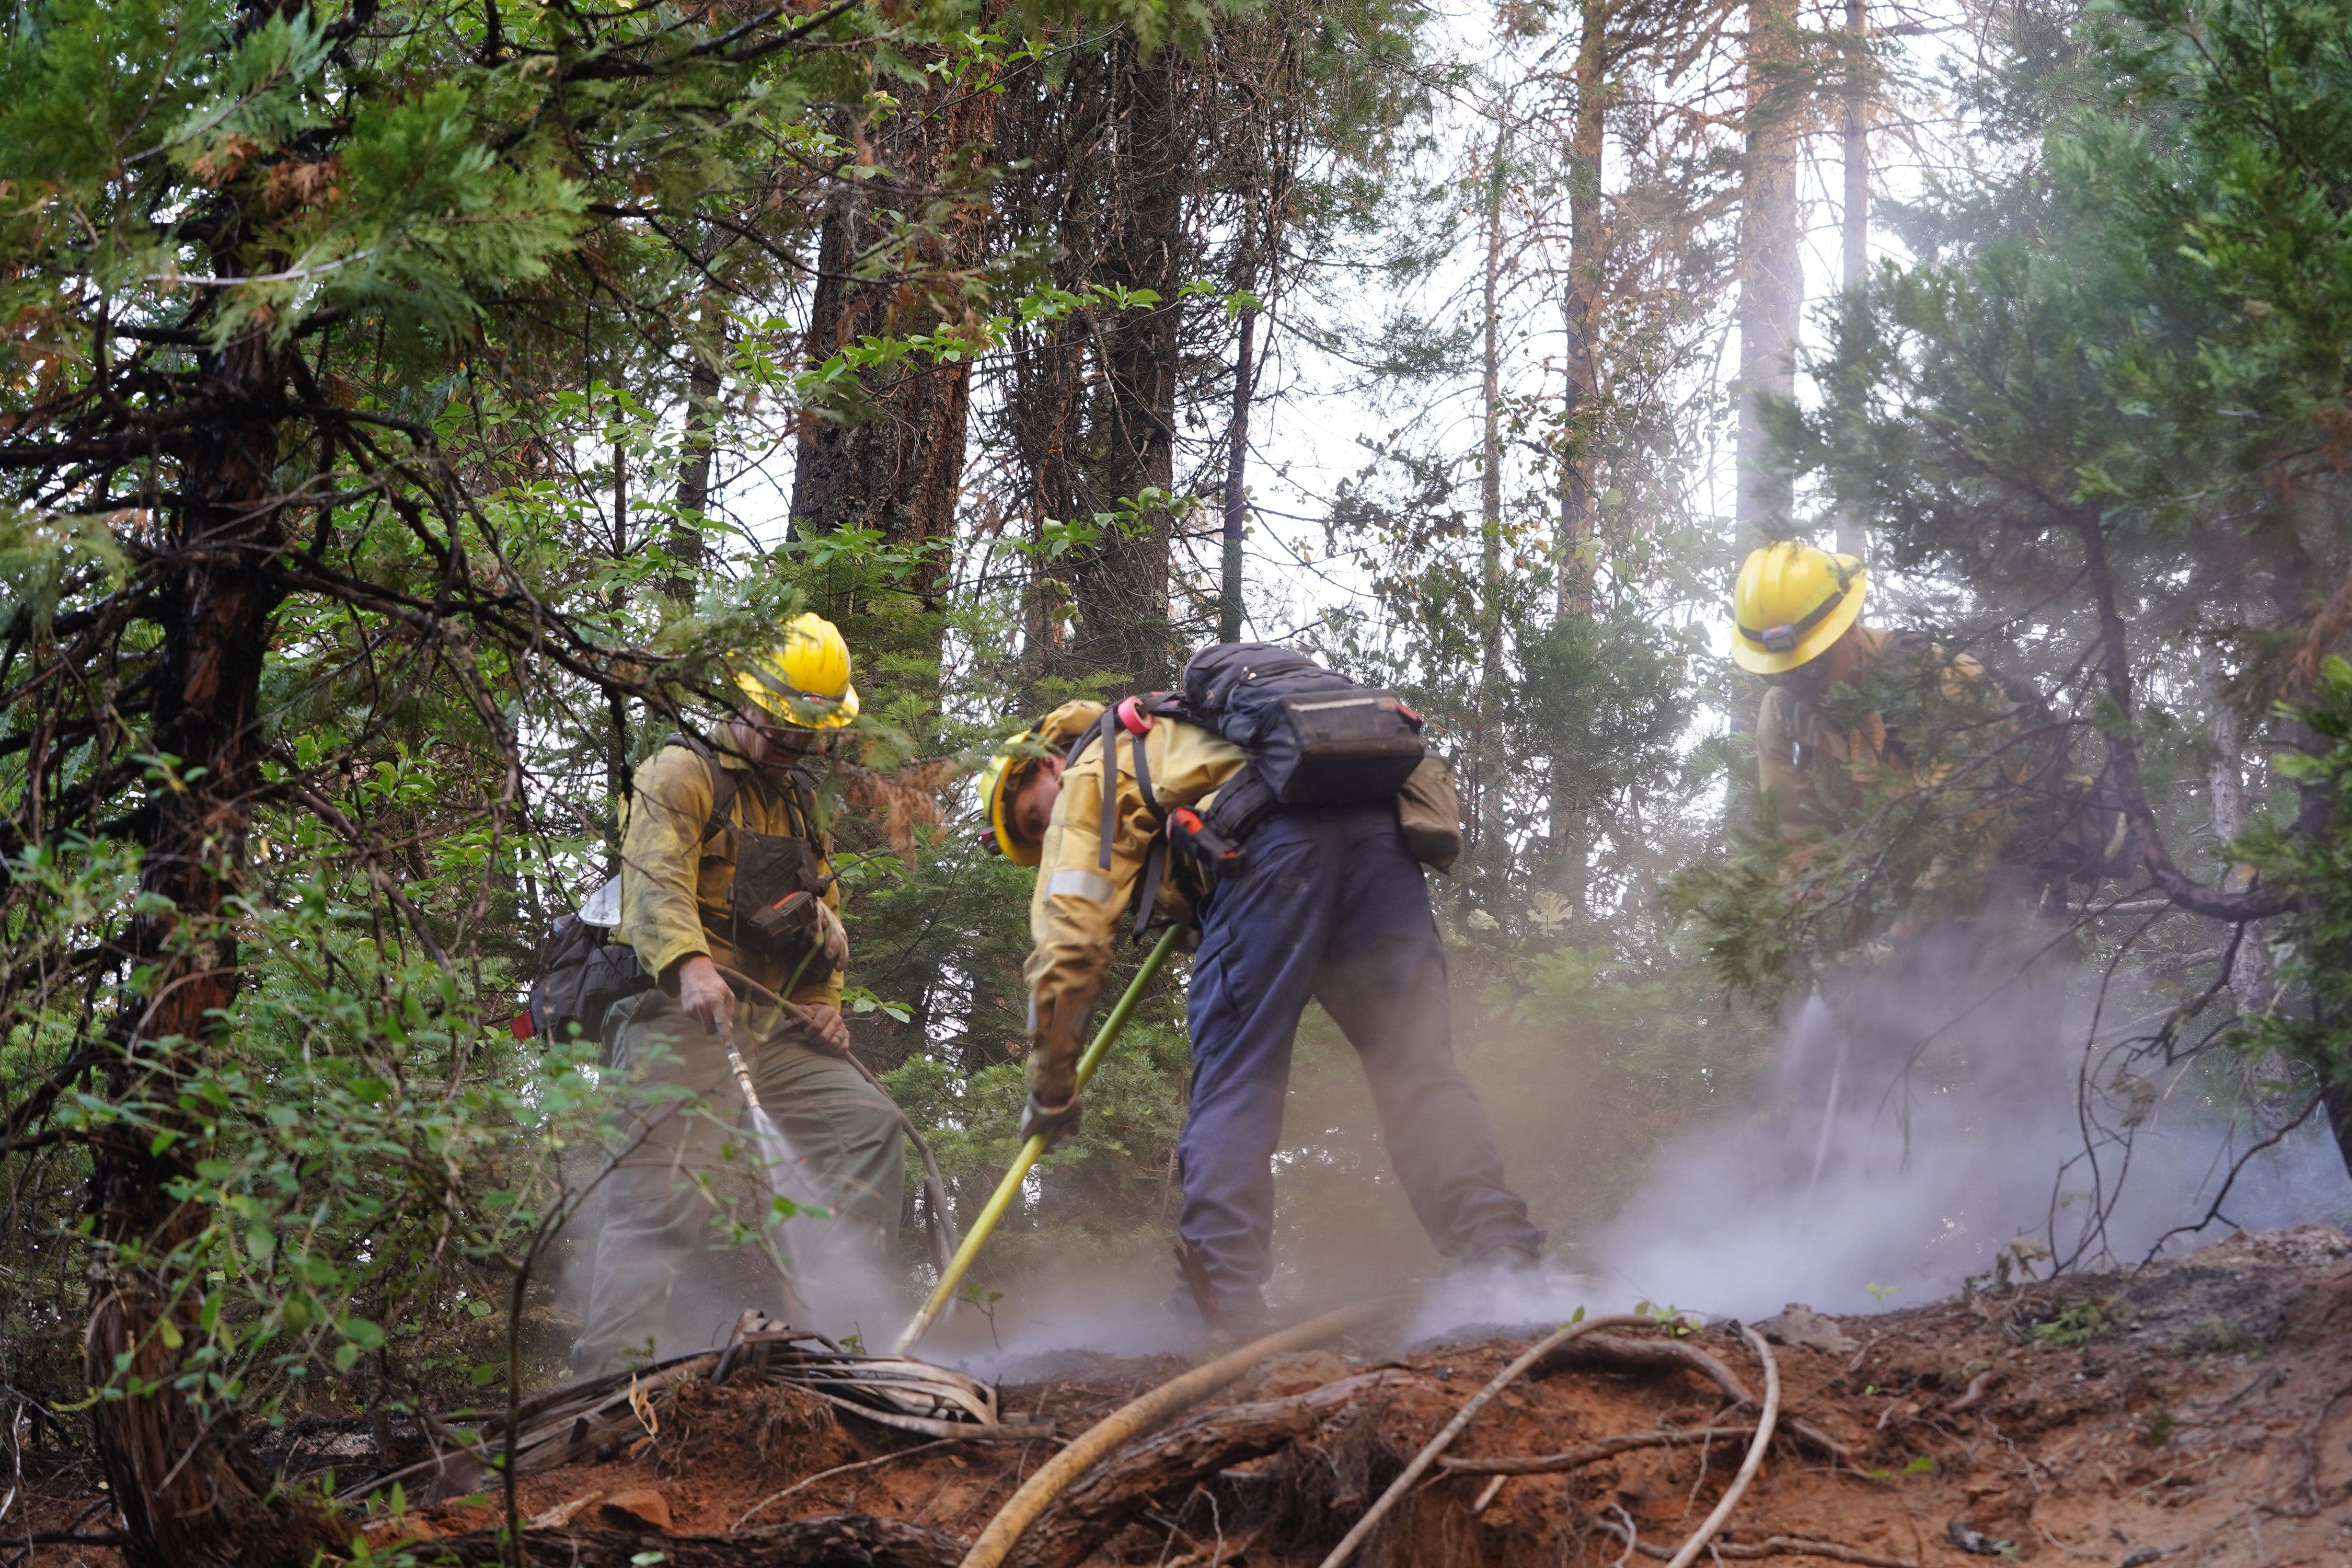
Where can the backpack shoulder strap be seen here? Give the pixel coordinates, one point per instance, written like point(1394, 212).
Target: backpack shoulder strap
point(723, 783)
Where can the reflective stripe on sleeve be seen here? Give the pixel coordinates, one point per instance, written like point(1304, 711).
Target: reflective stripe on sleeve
point(1087, 885)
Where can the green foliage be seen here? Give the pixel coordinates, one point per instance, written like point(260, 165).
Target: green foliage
point(2080, 1322)
point(2213, 1335)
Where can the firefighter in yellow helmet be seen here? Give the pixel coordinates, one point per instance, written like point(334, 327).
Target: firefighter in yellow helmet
point(724, 864)
point(2027, 819)
point(1798, 623)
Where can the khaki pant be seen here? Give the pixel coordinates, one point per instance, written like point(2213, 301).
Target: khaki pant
point(673, 1269)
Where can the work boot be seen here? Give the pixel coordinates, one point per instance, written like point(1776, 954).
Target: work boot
point(1240, 1315)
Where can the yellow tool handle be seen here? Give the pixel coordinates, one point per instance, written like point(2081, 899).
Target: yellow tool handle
point(1031, 1152)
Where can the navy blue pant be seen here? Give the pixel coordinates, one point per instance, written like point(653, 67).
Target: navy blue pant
point(1331, 906)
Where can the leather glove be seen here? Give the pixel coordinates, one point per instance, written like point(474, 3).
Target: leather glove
point(1052, 1121)
point(833, 942)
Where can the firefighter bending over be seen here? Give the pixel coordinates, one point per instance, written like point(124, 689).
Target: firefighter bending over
point(1326, 902)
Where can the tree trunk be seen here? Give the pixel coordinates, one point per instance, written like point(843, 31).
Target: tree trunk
point(2251, 980)
point(191, 1495)
point(1853, 219)
point(1229, 599)
point(1581, 309)
point(1489, 850)
point(683, 541)
point(1121, 586)
point(1576, 558)
point(894, 460)
point(1771, 272)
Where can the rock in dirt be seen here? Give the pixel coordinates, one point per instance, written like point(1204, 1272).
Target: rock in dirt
point(1976, 1542)
point(641, 1507)
point(1799, 1325)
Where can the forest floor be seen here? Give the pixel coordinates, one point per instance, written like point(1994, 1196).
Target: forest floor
point(2191, 1412)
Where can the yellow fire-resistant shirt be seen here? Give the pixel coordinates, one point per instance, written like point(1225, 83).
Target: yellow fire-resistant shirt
point(1815, 769)
point(667, 871)
point(1077, 911)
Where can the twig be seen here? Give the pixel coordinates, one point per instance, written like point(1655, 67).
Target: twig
point(1974, 1393)
point(1772, 1546)
point(836, 1471)
point(1765, 1421)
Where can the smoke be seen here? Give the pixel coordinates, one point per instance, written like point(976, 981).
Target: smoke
point(1964, 1105)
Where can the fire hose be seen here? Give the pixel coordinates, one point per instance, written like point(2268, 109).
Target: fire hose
point(935, 1184)
point(952, 1273)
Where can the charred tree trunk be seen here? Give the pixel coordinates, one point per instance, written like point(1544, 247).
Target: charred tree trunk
point(1771, 271)
point(191, 1495)
point(899, 254)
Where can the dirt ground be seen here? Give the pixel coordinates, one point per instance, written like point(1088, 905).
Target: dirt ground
point(2194, 1412)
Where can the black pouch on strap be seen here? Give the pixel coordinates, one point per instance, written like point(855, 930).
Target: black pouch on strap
point(767, 917)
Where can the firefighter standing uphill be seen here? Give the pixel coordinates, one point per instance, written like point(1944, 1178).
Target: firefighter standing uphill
point(2019, 834)
point(1321, 901)
point(715, 841)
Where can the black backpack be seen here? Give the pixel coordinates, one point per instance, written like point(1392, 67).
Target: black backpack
point(1314, 738)
point(583, 969)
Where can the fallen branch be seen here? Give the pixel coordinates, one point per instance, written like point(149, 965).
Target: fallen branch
point(1589, 1454)
point(1649, 1355)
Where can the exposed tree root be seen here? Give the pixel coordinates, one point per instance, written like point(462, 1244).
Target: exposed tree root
point(1118, 1491)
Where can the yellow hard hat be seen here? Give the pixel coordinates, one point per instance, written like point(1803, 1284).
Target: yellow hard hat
point(1001, 779)
point(1792, 602)
point(804, 679)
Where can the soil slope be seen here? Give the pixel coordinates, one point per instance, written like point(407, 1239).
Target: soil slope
point(2193, 1412)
